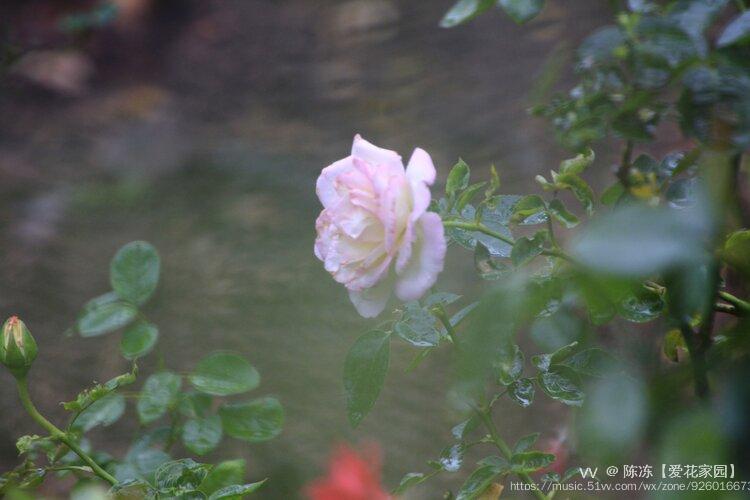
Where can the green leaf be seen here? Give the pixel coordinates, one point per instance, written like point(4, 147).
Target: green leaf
point(184, 473)
point(530, 461)
point(138, 339)
point(737, 250)
point(159, 393)
point(477, 482)
point(522, 11)
point(253, 421)
point(364, 373)
point(593, 362)
point(134, 272)
point(562, 215)
point(88, 396)
point(224, 374)
point(525, 249)
point(469, 194)
point(461, 430)
point(222, 475)
point(442, 298)
point(194, 404)
point(236, 490)
point(522, 392)
point(674, 342)
point(612, 194)
point(104, 411)
point(578, 164)
point(544, 361)
point(580, 189)
point(463, 11)
point(202, 435)
point(417, 326)
point(738, 31)
point(530, 209)
point(104, 314)
point(561, 384)
point(458, 178)
point(525, 443)
point(509, 365)
point(641, 306)
point(409, 480)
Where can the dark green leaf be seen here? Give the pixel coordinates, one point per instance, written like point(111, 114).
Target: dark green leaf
point(202, 435)
point(104, 411)
point(159, 393)
point(463, 11)
point(544, 361)
point(224, 374)
point(737, 31)
point(364, 373)
point(530, 461)
point(134, 272)
point(477, 482)
point(417, 326)
point(487, 267)
point(522, 392)
point(138, 339)
point(461, 430)
point(194, 404)
point(222, 475)
point(104, 314)
point(509, 365)
point(561, 214)
point(254, 421)
point(468, 194)
point(561, 384)
point(184, 473)
point(525, 443)
point(641, 306)
point(236, 490)
point(525, 249)
point(522, 11)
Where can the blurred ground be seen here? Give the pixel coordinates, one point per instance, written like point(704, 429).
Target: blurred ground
point(201, 127)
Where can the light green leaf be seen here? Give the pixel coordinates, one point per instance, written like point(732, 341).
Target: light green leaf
point(104, 314)
point(530, 461)
point(134, 272)
point(364, 373)
point(544, 361)
point(138, 339)
point(737, 250)
point(159, 393)
point(525, 249)
point(674, 343)
point(562, 215)
point(236, 490)
point(253, 421)
point(417, 326)
point(202, 435)
point(578, 164)
point(580, 189)
point(463, 11)
point(224, 374)
point(530, 209)
point(522, 11)
point(104, 411)
point(224, 474)
point(612, 194)
point(409, 480)
point(458, 178)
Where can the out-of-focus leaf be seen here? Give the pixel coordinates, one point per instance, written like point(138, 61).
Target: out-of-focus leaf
point(525, 443)
point(577, 164)
point(522, 392)
point(452, 457)
point(592, 362)
point(561, 384)
point(580, 189)
point(478, 481)
point(525, 249)
point(738, 31)
point(104, 314)
point(417, 326)
point(562, 215)
point(236, 490)
point(488, 268)
point(641, 306)
point(104, 411)
point(138, 339)
point(509, 365)
point(464, 10)
point(222, 475)
point(134, 272)
point(224, 374)
point(159, 393)
point(530, 461)
point(522, 11)
point(201, 435)
point(409, 480)
point(613, 193)
point(674, 342)
point(253, 421)
point(557, 330)
point(737, 251)
point(364, 373)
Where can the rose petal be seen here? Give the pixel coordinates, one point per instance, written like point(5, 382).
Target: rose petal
point(374, 155)
point(426, 261)
point(325, 186)
point(371, 301)
point(421, 168)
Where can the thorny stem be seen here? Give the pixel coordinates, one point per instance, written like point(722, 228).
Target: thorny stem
point(23, 394)
point(501, 445)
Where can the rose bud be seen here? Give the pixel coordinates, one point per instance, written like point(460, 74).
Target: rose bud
point(17, 347)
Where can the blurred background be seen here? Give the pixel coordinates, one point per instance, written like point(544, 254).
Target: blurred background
point(201, 127)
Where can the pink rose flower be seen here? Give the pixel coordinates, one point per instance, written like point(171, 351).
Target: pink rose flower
point(375, 234)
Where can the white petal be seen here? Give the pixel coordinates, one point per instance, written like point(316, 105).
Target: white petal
point(371, 301)
point(427, 258)
point(374, 155)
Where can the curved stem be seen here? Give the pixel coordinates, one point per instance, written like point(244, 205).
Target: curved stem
point(740, 305)
point(23, 394)
point(501, 445)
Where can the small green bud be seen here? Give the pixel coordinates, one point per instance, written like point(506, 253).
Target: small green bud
point(17, 347)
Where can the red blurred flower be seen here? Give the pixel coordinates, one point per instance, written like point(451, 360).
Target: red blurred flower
point(351, 476)
point(558, 446)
